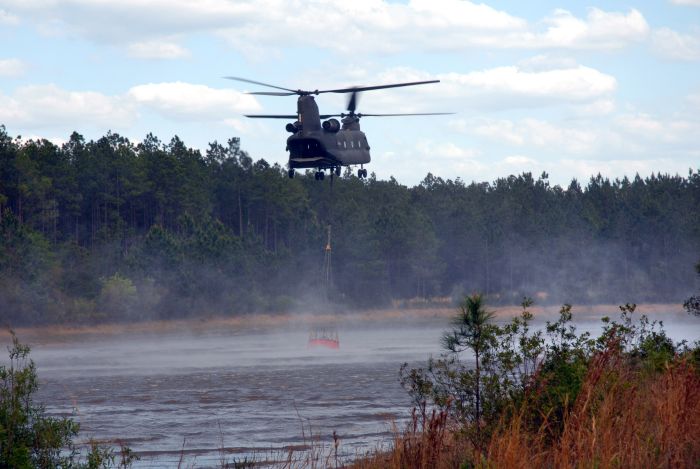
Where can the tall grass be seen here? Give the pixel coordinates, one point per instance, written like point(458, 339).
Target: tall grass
point(621, 418)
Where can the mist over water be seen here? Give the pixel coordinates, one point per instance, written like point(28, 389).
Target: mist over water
point(248, 391)
point(155, 391)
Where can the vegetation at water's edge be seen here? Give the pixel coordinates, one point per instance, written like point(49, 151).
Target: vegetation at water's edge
point(551, 398)
point(29, 438)
point(692, 304)
point(110, 230)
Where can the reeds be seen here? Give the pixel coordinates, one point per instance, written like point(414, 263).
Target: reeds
point(621, 418)
point(429, 441)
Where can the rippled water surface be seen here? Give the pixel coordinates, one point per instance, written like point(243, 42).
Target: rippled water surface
point(188, 394)
point(253, 391)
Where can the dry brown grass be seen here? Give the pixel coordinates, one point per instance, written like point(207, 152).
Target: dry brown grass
point(622, 418)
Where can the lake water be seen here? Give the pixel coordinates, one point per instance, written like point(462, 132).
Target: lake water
point(257, 392)
point(197, 395)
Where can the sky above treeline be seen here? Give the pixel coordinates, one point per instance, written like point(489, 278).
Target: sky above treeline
point(569, 88)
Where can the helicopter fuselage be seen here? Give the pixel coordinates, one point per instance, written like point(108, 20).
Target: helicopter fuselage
point(323, 149)
point(327, 146)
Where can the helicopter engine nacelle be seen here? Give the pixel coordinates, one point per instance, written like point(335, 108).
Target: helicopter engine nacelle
point(292, 128)
point(331, 125)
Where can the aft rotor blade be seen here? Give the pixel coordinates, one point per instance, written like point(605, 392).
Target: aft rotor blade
point(272, 116)
point(378, 87)
point(245, 80)
point(408, 114)
point(352, 102)
point(360, 114)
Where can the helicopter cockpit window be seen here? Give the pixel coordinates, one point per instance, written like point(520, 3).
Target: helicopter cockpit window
point(352, 144)
point(345, 144)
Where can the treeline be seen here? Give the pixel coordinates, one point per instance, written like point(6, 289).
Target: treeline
point(109, 229)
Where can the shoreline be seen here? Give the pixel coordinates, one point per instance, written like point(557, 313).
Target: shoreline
point(265, 321)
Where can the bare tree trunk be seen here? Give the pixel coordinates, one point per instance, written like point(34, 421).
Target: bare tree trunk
point(478, 400)
point(274, 231)
point(240, 215)
point(267, 226)
point(92, 224)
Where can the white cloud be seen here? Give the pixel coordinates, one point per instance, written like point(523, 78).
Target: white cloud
point(629, 135)
point(157, 50)
point(599, 107)
point(256, 128)
point(445, 150)
point(687, 2)
point(618, 168)
point(537, 133)
point(46, 106)
point(439, 25)
point(507, 87)
point(600, 30)
point(188, 101)
point(124, 21)
point(12, 67)
point(670, 44)
point(653, 129)
point(58, 141)
point(578, 83)
point(504, 130)
point(543, 62)
point(8, 19)
point(519, 160)
point(694, 100)
point(375, 25)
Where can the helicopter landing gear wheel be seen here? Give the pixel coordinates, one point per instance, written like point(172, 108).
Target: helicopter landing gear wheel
point(319, 175)
point(361, 173)
point(290, 173)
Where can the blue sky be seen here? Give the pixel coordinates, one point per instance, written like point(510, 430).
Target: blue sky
point(571, 88)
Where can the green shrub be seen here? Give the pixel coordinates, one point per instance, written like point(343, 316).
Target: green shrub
point(532, 376)
point(31, 439)
point(118, 297)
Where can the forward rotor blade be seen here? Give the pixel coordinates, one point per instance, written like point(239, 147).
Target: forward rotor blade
point(272, 116)
point(270, 93)
point(377, 87)
point(245, 80)
point(408, 114)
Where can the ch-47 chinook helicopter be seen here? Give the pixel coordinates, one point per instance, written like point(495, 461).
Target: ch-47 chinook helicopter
point(327, 145)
